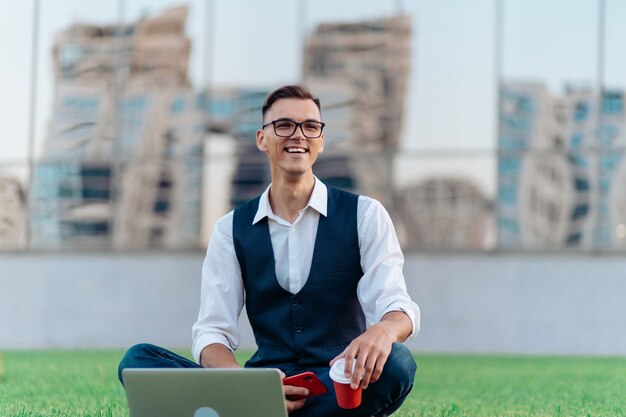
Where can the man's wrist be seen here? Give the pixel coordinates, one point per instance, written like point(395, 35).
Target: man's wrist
point(398, 324)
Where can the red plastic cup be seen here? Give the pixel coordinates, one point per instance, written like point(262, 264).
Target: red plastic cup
point(346, 396)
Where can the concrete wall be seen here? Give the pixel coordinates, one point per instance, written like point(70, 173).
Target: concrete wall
point(530, 303)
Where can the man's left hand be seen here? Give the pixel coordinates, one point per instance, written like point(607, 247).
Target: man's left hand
point(372, 348)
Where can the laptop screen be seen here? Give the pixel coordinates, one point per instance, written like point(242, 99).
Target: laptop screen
point(204, 392)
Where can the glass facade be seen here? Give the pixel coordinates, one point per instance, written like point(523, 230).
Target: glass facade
point(146, 117)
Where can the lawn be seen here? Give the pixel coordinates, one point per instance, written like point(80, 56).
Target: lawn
point(84, 383)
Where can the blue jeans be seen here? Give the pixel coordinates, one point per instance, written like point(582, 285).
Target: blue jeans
point(381, 398)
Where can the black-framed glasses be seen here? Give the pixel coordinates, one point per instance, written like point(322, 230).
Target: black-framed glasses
point(284, 128)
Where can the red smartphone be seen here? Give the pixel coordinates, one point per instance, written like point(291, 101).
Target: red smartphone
point(306, 380)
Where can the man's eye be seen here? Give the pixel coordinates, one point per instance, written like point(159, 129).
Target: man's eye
point(284, 125)
point(311, 126)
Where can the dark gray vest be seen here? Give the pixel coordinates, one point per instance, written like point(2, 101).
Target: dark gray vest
point(306, 329)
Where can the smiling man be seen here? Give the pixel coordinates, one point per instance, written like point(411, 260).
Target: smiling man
point(319, 271)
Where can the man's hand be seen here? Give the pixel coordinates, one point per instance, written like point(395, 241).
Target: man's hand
point(289, 390)
point(371, 349)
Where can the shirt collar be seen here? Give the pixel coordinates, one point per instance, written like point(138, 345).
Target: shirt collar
point(318, 202)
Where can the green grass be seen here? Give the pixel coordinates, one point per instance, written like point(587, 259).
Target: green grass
point(84, 383)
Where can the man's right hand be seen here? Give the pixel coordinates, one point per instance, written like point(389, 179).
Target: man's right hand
point(289, 390)
point(217, 355)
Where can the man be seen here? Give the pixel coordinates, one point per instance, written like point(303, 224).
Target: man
point(313, 264)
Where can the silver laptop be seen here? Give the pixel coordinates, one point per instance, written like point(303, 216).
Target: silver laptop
point(204, 393)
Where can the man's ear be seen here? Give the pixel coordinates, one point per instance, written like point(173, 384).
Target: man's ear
point(322, 143)
point(260, 140)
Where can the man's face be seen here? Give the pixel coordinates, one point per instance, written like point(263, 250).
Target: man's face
point(296, 154)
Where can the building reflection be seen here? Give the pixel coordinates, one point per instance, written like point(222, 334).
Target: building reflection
point(561, 167)
point(122, 163)
point(128, 147)
point(12, 214)
point(444, 213)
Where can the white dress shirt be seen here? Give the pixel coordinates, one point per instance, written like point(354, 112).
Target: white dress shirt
point(381, 289)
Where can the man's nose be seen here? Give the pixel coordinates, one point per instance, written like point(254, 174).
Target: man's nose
point(298, 133)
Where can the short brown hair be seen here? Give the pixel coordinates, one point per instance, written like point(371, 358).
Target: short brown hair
point(290, 91)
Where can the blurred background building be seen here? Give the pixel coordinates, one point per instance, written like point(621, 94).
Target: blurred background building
point(124, 159)
point(122, 163)
point(236, 112)
point(560, 167)
point(12, 214)
point(443, 213)
point(129, 146)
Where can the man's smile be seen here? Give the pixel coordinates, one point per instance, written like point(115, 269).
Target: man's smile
point(295, 149)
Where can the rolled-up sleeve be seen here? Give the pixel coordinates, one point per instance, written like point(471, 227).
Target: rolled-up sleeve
point(382, 288)
point(222, 293)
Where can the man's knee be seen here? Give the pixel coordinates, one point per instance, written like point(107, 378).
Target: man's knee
point(133, 357)
point(136, 352)
point(395, 383)
point(143, 349)
point(400, 366)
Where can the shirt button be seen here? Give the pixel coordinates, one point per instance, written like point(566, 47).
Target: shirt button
point(295, 303)
point(298, 329)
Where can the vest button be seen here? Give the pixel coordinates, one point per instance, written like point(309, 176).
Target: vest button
point(298, 329)
point(295, 303)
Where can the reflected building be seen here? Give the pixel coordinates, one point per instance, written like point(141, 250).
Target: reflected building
point(554, 201)
point(611, 221)
point(523, 123)
point(559, 156)
point(237, 112)
point(544, 167)
point(12, 214)
point(443, 213)
point(617, 202)
point(361, 71)
point(122, 162)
